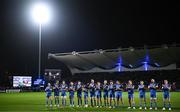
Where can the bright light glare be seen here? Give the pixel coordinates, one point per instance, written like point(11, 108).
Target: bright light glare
point(41, 13)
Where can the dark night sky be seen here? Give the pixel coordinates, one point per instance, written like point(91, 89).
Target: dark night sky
point(82, 25)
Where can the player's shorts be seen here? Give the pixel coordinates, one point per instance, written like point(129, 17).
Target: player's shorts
point(153, 95)
point(79, 95)
point(85, 94)
point(71, 94)
point(92, 94)
point(105, 95)
point(130, 96)
point(118, 94)
point(63, 94)
point(98, 94)
point(142, 95)
point(48, 95)
point(56, 93)
point(112, 95)
point(166, 95)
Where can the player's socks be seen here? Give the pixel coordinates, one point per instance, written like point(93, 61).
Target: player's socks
point(78, 101)
point(133, 104)
point(65, 102)
point(169, 105)
point(46, 101)
point(155, 103)
point(151, 104)
point(58, 101)
point(85, 101)
point(50, 102)
point(140, 104)
point(164, 103)
point(91, 102)
point(94, 102)
point(117, 103)
point(81, 101)
point(110, 104)
point(70, 101)
point(55, 101)
point(114, 103)
point(101, 103)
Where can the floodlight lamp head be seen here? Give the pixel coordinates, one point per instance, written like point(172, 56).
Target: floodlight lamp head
point(41, 13)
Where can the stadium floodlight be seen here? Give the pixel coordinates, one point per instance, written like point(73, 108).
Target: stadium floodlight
point(41, 14)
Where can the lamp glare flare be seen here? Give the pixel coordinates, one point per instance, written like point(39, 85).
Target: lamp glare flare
point(41, 13)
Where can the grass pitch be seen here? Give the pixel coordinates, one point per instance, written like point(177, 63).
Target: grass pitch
point(35, 102)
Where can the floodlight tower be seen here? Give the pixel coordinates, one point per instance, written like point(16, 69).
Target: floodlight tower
point(41, 15)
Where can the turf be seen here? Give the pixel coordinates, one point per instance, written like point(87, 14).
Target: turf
point(35, 102)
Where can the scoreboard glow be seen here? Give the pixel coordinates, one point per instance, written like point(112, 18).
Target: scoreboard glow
point(22, 81)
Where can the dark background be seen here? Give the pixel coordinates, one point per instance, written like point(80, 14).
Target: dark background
point(79, 25)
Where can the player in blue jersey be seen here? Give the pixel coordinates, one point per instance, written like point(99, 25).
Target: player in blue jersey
point(130, 89)
point(85, 90)
point(64, 88)
point(56, 93)
point(112, 94)
point(166, 94)
point(142, 94)
point(48, 91)
point(98, 94)
point(92, 93)
point(71, 93)
point(79, 93)
point(105, 93)
point(152, 87)
point(118, 93)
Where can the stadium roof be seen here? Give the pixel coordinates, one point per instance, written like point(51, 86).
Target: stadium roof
point(121, 59)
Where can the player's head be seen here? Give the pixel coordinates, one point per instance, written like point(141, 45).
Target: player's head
point(49, 84)
point(165, 81)
point(57, 82)
point(63, 82)
point(141, 82)
point(71, 83)
point(117, 82)
point(105, 81)
point(79, 82)
point(92, 80)
point(152, 80)
point(111, 82)
point(130, 82)
point(98, 83)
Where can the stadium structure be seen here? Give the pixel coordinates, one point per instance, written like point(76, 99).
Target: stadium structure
point(121, 59)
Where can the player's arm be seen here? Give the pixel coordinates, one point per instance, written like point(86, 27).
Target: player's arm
point(169, 87)
point(46, 89)
point(156, 86)
point(162, 86)
point(50, 88)
point(67, 88)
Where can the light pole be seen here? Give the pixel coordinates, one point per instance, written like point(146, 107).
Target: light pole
point(39, 64)
point(41, 15)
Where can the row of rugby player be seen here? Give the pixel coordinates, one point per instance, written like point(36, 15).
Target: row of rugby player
point(112, 94)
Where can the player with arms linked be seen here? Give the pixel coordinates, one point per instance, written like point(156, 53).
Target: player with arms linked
point(130, 89)
point(48, 91)
point(71, 94)
point(64, 88)
point(166, 94)
point(56, 93)
point(142, 94)
point(153, 99)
